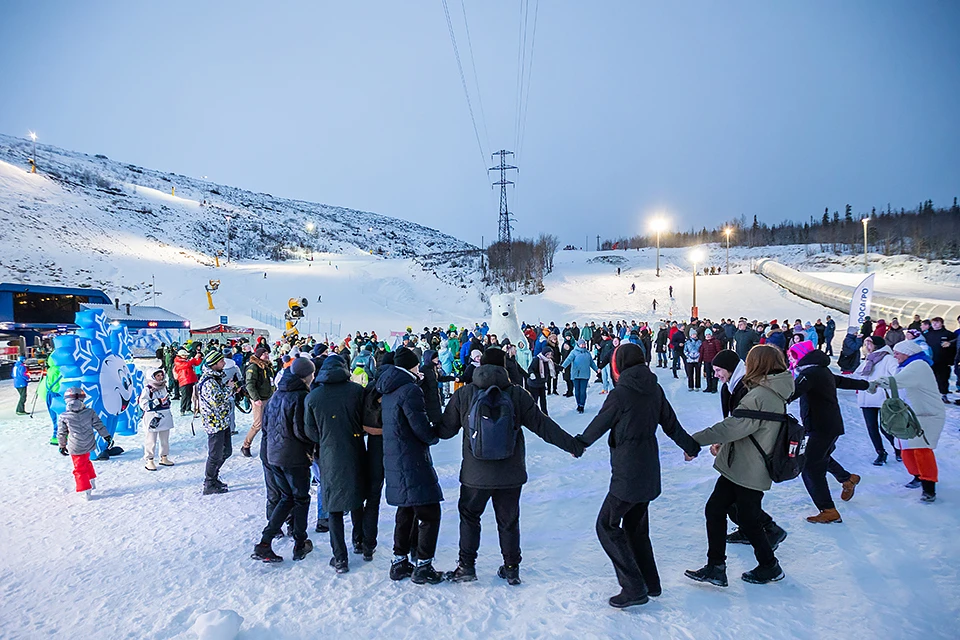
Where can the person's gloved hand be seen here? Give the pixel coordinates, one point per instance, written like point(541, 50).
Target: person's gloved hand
point(873, 386)
point(63, 451)
point(883, 383)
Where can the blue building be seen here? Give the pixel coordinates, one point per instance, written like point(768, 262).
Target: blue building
point(32, 311)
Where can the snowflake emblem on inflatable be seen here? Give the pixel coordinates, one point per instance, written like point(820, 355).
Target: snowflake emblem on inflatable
point(98, 359)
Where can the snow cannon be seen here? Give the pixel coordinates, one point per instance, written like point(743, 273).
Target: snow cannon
point(210, 288)
point(293, 315)
point(99, 360)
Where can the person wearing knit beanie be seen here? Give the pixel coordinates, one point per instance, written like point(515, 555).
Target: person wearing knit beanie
point(625, 356)
point(495, 357)
point(405, 358)
point(727, 360)
point(302, 368)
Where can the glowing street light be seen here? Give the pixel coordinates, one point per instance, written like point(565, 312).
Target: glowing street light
point(865, 221)
point(659, 225)
point(727, 233)
point(311, 227)
point(695, 256)
point(33, 160)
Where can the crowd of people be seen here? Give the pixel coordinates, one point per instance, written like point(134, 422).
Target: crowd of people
point(358, 415)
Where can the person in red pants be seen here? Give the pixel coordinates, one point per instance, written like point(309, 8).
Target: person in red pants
point(77, 430)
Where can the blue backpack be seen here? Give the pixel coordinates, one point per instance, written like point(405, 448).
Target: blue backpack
point(492, 428)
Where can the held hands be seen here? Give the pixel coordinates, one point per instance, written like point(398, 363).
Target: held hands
point(258, 403)
point(715, 449)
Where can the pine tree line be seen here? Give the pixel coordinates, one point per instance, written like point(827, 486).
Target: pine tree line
point(926, 231)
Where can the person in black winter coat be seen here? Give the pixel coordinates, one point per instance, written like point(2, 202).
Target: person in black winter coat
point(499, 480)
point(816, 387)
point(943, 349)
point(514, 371)
point(663, 336)
point(631, 413)
point(287, 451)
point(334, 419)
point(677, 341)
point(849, 358)
point(366, 536)
point(412, 484)
point(565, 349)
point(431, 385)
point(729, 370)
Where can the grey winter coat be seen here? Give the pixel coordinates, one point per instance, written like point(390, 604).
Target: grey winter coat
point(738, 460)
point(77, 428)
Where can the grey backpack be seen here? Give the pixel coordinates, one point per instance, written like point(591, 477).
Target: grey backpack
point(897, 418)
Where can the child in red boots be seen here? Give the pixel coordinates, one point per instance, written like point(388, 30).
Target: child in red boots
point(76, 432)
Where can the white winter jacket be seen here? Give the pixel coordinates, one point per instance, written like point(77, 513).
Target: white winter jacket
point(155, 403)
point(884, 368)
point(917, 386)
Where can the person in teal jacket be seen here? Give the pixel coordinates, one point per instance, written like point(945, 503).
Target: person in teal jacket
point(20, 381)
point(581, 364)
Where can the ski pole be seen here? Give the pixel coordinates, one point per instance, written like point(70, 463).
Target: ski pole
point(36, 394)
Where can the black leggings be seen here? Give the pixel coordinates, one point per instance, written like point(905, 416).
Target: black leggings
point(693, 375)
point(749, 513)
point(871, 415)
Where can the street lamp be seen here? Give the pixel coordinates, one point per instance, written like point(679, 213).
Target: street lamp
point(33, 136)
point(658, 225)
point(696, 256)
point(310, 227)
point(228, 218)
point(865, 221)
point(727, 232)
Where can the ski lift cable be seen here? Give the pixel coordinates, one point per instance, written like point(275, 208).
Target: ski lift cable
point(463, 81)
point(476, 77)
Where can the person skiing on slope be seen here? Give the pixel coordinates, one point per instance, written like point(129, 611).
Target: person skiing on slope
point(671, 292)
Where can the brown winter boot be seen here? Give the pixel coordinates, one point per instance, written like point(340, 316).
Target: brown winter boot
point(849, 487)
point(825, 517)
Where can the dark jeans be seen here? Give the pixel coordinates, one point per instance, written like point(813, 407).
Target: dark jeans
point(693, 375)
point(338, 541)
point(765, 519)
point(506, 506)
point(569, 381)
point(294, 486)
point(662, 359)
point(677, 360)
point(186, 398)
point(818, 462)
point(941, 371)
point(540, 395)
point(580, 391)
point(829, 348)
point(710, 378)
point(273, 492)
point(219, 448)
point(427, 519)
point(551, 385)
point(22, 404)
point(365, 530)
point(624, 532)
point(748, 503)
point(871, 415)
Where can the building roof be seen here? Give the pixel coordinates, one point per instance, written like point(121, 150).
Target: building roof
point(92, 294)
point(143, 314)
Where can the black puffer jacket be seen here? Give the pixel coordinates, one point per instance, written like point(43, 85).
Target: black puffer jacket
point(334, 418)
point(407, 436)
point(431, 386)
point(631, 414)
point(816, 387)
point(284, 436)
point(512, 472)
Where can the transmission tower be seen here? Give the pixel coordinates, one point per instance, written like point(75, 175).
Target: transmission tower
point(504, 226)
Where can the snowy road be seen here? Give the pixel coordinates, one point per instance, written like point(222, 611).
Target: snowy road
point(150, 554)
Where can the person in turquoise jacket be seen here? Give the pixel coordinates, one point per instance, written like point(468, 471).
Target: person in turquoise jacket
point(581, 364)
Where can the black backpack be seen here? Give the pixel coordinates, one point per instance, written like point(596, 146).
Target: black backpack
point(785, 462)
point(491, 427)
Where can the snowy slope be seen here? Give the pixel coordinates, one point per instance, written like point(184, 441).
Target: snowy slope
point(150, 554)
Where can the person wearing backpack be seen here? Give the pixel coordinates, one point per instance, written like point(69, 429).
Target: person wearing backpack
point(491, 410)
point(917, 386)
point(538, 375)
point(580, 363)
point(816, 388)
point(744, 476)
point(879, 363)
point(730, 370)
point(412, 483)
point(631, 413)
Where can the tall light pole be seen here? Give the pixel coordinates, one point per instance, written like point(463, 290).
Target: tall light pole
point(727, 231)
point(228, 218)
point(696, 256)
point(33, 136)
point(658, 225)
point(865, 221)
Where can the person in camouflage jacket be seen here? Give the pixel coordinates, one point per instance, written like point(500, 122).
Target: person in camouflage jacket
point(213, 403)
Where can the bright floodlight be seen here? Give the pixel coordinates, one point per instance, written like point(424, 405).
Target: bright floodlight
point(658, 224)
point(696, 255)
point(310, 227)
point(865, 221)
point(728, 231)
point(33, 136)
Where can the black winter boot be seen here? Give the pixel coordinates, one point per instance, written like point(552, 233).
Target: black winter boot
point(463, 573)
point(401, 568)
point(737, 537)
point(914, 484)
point(510, 573)
point(624, 599)
point(342, 566)
point(763, 575)
point(712, 573)
point(264, 553)
point(301, 549)
point(323, 526)
point(929, 491)
point(426, 574)
point(775, 535)
point(881, 458)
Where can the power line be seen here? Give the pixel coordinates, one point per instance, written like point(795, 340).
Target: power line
point(463, 81)
point(476, 77)
point(526, 102)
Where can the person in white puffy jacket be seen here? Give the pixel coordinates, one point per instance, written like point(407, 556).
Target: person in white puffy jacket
point(157, 420)
point(879, 363)
point(917, 386)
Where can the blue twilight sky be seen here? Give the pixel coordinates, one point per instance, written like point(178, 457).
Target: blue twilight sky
point(703, 110)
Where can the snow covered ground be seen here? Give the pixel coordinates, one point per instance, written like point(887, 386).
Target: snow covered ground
point(150, 554)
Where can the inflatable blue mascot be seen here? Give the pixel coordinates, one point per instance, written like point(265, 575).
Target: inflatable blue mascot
point(97, 358)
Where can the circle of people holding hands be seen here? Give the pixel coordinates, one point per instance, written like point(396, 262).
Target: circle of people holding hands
point(355, 416)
